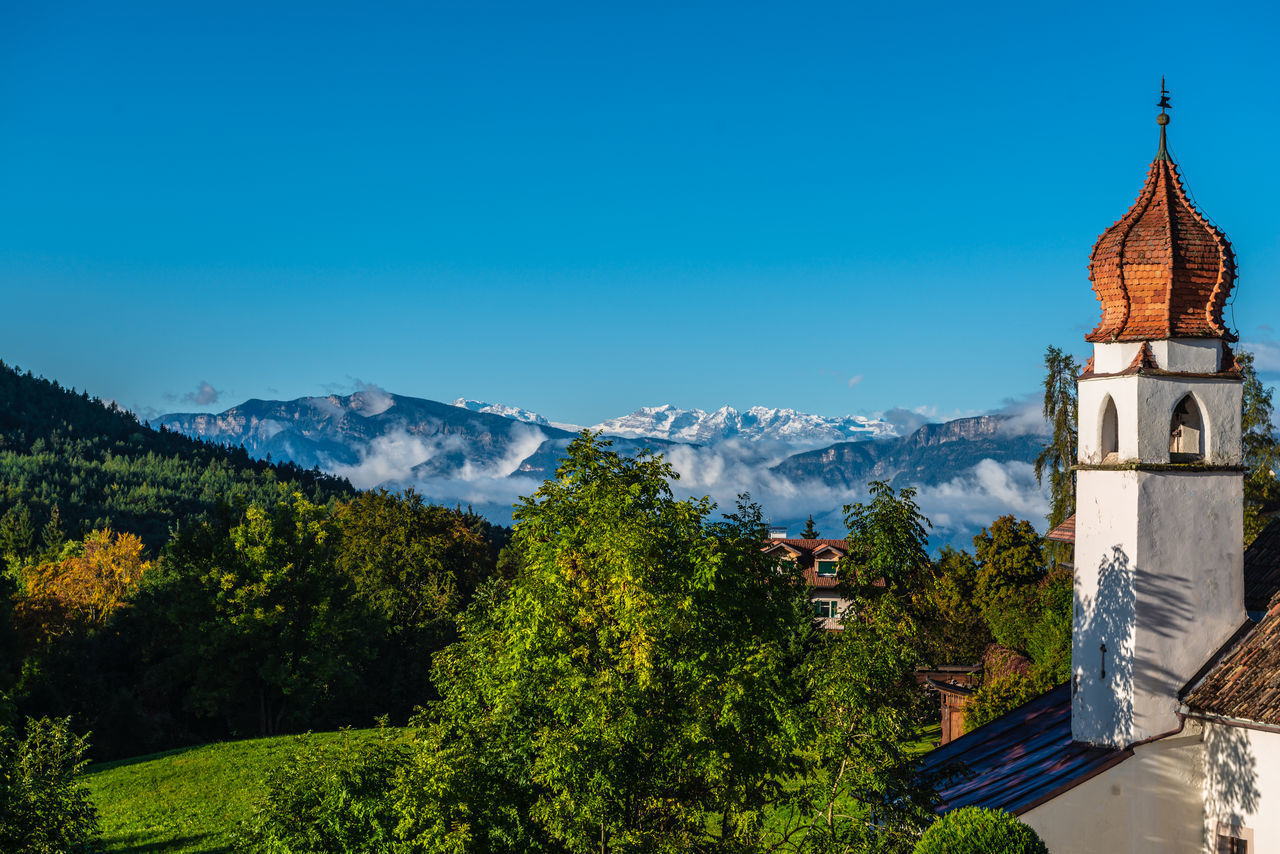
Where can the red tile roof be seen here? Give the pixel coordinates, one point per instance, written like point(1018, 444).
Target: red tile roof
point(1243, 680)
point(1162, 270)
point(1064, 533)
point(804, 551)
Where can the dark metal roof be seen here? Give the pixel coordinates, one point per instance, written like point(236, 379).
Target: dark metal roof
point(1262, 568)
point(1018, 761)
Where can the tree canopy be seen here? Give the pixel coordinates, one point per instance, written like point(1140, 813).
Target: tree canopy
point(629, 690)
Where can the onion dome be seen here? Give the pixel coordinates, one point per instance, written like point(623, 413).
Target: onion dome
point(1163, 270)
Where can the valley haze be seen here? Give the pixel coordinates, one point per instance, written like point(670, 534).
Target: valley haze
point(967, 471)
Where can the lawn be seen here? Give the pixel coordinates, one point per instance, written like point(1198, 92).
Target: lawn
point(187, 800)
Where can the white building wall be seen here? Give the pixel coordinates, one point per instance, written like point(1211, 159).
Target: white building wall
point(1186, 355)
point(1151, 803)
point(1106, 543)
point(1189, 585)
point(1242, 783)
point(1159, 588)
point(1190, 355)
point(1144, 412)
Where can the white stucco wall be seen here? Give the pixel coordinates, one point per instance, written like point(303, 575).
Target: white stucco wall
point(1242, 782)
point(1159, 581)
point(1114, 358)
point(1193, 355)
point(1151, 803)
point(1144, 411)
point(1106, 541)
point(1190, 355)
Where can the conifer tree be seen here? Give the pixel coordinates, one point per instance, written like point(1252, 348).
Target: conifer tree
point(809, 532)
point(1059, 455)
point(1261, 451)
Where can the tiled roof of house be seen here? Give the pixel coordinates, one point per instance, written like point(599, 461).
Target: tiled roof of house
point(1064, 533)
point(1162, 270)
point(806, 552)
point(1018, 761)
point(1244, 680)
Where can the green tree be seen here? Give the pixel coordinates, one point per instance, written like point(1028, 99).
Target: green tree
point(411, 561)
point(329, 798)
point(1027, 608)
point(43, 808)
point(859, 791)
point(887, 541)
point(17, 537)
point(1010, 555)
point(264, 631)
point(1261, 452)
point(810, 532)
point(1059, 456)
point(633, 688)
point(412, 566)
point(973, 830)
point(953, 627)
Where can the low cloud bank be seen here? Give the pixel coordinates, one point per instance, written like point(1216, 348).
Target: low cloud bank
point(399, 459)
point(446, 470)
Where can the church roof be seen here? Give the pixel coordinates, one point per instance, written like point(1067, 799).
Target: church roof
point(1244, 681)
point(1017, 761)
point(1163, 270)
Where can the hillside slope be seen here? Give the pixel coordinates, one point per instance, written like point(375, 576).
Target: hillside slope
point(932, 454)
point(100, 467)
point(190, 800)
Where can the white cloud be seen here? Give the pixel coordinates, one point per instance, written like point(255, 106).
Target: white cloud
point(369, 399)
point(389, 459)
point(988, 490)
point(1266, 355)
point(854, 380)
point(1025, 417)
point(204, 395)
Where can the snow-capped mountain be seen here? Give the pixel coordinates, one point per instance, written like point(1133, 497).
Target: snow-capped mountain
point(757, 424)
point(794, 464)
point(515, 413)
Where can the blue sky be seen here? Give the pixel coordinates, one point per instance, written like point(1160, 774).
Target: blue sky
point(585, 208)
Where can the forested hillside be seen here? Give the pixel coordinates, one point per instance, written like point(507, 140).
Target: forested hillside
point(85, 464)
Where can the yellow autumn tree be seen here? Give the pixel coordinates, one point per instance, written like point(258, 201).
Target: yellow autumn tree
point(84, 587)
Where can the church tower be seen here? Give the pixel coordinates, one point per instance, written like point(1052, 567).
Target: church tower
point(1159, 507)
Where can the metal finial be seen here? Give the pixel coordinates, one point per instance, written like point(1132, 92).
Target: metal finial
point(1163, 120)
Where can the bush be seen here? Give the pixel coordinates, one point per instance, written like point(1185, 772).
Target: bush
point(972, 830)
point(1001, 695)
point(43, 810)
point(329, 799)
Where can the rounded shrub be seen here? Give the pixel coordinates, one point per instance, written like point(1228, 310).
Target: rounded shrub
point(972, 830)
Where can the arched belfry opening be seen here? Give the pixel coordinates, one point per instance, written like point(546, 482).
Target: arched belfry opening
point(1109, 441)
point(1186, 432)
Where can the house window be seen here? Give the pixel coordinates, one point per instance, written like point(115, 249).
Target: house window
point(1110, 432)
point(827, 568)
point(1186, 432)
point(826, 609)
point(1233, 840)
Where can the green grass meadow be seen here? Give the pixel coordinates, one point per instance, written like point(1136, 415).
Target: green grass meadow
point(191, 799)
